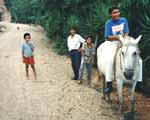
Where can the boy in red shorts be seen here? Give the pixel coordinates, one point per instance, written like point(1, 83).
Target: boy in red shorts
point(27, 54)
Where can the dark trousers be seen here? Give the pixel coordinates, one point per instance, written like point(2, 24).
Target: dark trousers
point(76, 61)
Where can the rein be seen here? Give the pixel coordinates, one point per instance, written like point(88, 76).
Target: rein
point(115, 58)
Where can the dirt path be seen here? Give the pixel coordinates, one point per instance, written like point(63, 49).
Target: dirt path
point(53, 96)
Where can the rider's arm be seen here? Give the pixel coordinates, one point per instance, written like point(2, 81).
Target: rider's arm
point(115, 37)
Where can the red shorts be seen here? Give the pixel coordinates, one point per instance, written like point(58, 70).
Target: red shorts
point(28, 60)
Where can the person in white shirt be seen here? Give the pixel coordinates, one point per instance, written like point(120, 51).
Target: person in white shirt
point(74, 43)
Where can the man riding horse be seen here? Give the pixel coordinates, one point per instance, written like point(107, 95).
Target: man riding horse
point(113, 28)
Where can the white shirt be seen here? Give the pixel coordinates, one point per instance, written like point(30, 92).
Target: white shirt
point(74, 42)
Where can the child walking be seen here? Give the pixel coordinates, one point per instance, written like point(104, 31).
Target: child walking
point(88, 51)
point(27, 54)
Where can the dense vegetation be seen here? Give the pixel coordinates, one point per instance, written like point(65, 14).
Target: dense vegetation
point(89, 16)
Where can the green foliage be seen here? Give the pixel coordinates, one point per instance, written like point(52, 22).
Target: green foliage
point(25, 11)
point(58, 47)
point(144, 30)
point(72, 21)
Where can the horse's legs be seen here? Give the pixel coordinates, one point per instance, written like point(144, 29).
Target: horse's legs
point(108, 79)
point(141, 70)
point(109, 85)
point(102, 78)
point(131, 91)
point(120, 95)
point(104, 86)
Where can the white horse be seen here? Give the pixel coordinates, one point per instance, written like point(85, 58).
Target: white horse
point(125, 68)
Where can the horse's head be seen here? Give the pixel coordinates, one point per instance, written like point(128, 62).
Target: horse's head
point(129, 55)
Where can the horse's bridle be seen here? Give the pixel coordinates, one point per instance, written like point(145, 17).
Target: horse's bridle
point(128, 45)
point(119, 49)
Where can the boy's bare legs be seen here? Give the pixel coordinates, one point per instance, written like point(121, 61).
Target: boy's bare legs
point(34, 71)
point(27, 71)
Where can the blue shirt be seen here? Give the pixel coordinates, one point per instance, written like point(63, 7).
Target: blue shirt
point(27, 49)
point(116, 27)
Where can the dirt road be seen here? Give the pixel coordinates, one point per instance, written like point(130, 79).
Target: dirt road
point(53, 96)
